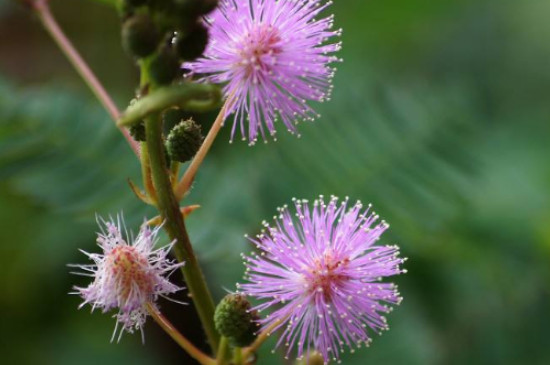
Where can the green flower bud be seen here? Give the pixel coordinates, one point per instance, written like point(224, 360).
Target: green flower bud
point(184, 140)
point(140, 36)
point(137, 131)
point(164, 67)
point(235, 320)
point(192, 45)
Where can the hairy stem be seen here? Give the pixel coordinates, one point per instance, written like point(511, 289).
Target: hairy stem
point(146, 173)
point(194, 352)
point(48, 21)
point(238, 356)
point(175, 226)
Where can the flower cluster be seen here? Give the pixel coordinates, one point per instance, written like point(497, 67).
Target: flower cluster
point(321, 272)
point(318, 271)
point(274, 56)
point(127, 276)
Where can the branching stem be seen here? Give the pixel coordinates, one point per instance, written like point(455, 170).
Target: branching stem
point(48, 21)
point(174, 225)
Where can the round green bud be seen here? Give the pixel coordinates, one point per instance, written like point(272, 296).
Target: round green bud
point(137, 131)
point(192, 45)
point(235, 320)
point(184, 140)
point(140, 36)
point(164, 67)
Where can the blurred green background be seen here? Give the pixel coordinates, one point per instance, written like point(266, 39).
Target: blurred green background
point(440, 117)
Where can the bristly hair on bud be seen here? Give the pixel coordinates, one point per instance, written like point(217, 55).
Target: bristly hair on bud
point(235, 320)
point(184, 140)
point(320, 273)
point(129, 274)
point(274, 56)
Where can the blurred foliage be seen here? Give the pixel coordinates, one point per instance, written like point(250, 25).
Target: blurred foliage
point(439, 118)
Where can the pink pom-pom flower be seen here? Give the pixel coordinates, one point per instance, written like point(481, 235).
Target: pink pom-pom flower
point(320, 273)
point(274, 57)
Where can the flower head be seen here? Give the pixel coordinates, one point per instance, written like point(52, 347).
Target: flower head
point(321, 275)
point(274, 56)
point(127, 276)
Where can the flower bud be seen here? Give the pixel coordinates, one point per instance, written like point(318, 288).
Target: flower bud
point(192, 45)
point(137, 131)
point(164, 67)
point(140, 36)
point(184, 140)
point(235, 320)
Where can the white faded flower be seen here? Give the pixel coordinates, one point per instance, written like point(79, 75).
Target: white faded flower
point(128, 275)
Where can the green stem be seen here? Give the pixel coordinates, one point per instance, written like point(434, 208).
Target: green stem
point(146, 173)
point(175, 226)
point(191, 97)
point(174, 172)
point(238, 356)
point(223, 351)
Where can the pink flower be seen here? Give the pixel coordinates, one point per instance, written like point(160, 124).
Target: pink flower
point(274, 56)
point(320, 274)
point(127, 276)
